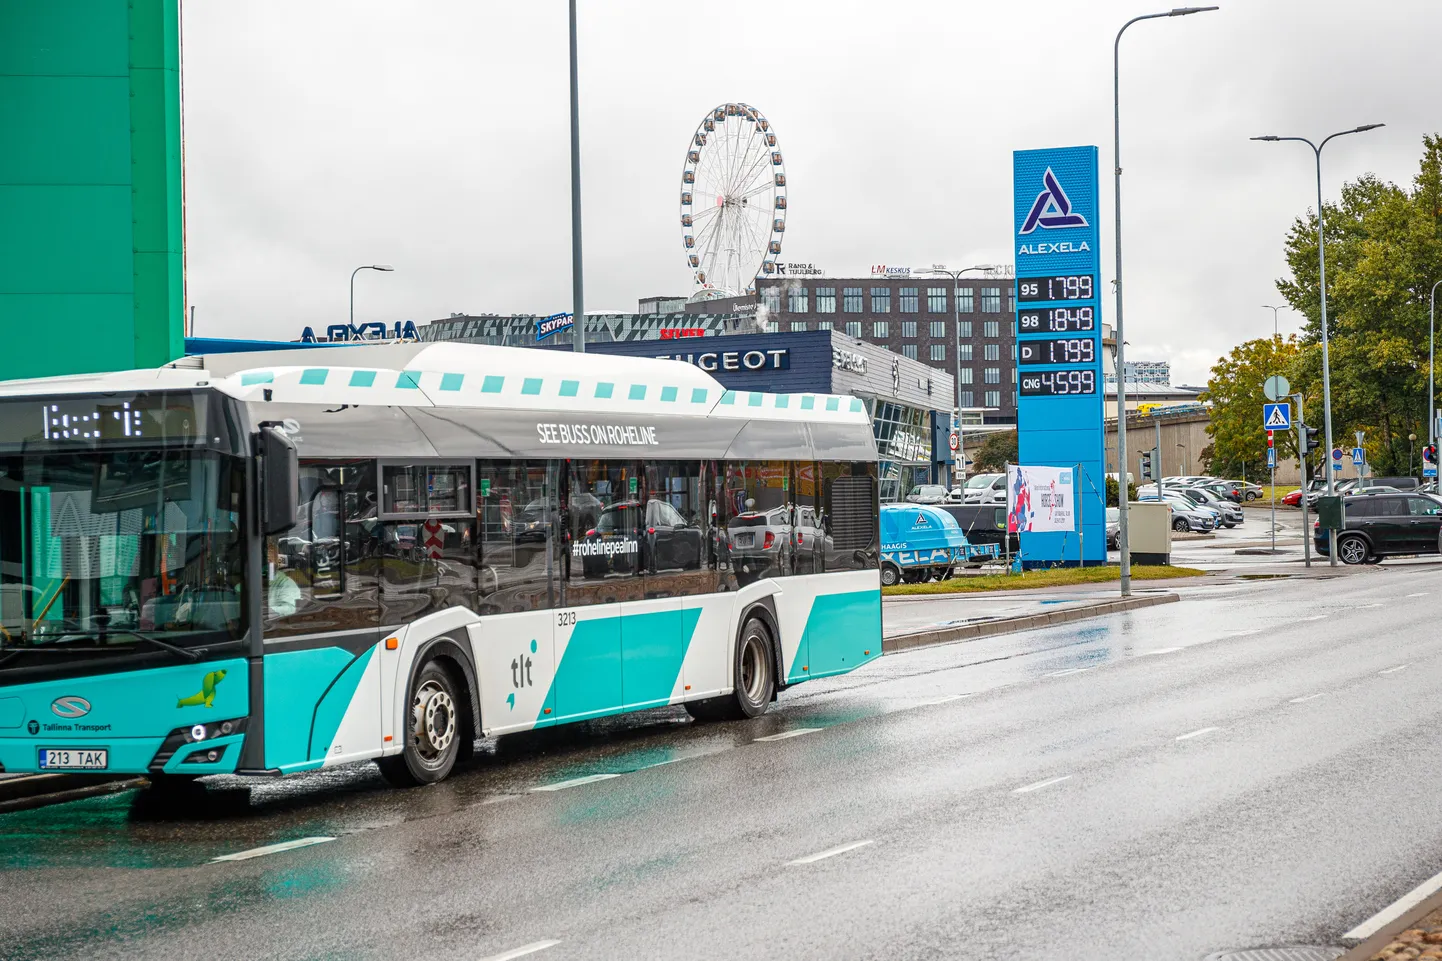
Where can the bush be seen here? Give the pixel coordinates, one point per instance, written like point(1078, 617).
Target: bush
point(1112, 492)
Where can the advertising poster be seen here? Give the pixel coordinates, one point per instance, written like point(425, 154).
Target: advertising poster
point(1039, 499)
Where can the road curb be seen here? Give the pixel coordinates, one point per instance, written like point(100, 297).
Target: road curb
point(38, 790)
point(1387, 934)
point(1009, 625)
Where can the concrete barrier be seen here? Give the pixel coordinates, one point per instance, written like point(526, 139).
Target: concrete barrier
point(1010, 625)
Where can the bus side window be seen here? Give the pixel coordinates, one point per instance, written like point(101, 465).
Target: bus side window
point(518, 521)
point(602, 563)
point(851, 509)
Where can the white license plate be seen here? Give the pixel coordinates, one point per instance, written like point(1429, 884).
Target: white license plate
point(744, 540)
point(73, 759)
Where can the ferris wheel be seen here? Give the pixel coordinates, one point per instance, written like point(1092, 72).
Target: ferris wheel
point(733, 200)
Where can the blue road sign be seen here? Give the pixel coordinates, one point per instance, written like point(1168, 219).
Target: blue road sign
point(1060, 384)
point(1271, 457)
point(1358, 458)
point(1429, 470)
point(1276, 416)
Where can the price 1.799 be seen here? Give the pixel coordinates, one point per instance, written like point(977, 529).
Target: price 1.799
point(1031, 290)
point(1057, 320)
point(1057, 350)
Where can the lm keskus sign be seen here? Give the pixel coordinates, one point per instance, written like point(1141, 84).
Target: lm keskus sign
point(1058, 330)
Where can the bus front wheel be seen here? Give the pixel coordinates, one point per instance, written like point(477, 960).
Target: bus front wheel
point(436, 722)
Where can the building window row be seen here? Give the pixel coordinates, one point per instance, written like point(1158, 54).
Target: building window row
point(851, 300)
point(965, 351)
point(908, 350)
point(826, 300)
point(938, 352)
point(880, 329)
point(853, 329)
point(991, 328)
point(936, 300)
point(908, 328)
point(991, 300)
point(881, 300)
point(796, 300)
point(908, 299)
point(991, 375)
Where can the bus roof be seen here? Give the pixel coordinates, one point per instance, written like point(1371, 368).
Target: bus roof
point(448, 399)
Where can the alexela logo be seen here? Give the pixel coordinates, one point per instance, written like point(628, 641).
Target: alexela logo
point(70, 706)
point(1052, 208)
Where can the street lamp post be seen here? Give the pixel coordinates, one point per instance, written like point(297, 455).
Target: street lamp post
point(1411, 449)
point(387, 268)
point(1126, 551)
point(1276, 333)
point(1431, 387)
point(1322, 285)
point(578, 299)
point(955, 276)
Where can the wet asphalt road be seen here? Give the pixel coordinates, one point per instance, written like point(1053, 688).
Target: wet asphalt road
point(1252, 766)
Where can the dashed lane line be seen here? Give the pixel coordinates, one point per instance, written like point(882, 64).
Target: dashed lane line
point(1420, 594)
point(796, 732)
point(271, 849)
point(1160, 650)
point(522, 951)
point(1068, 671)
point(943, 700)
point(1394, 670)
point(1307, 697)
point(574, 782)
point(1315, 617)
point(1041, 784)
point(831, 852)
point(1200, 733)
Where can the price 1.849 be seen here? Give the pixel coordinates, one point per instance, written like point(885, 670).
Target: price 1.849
point(1033, 290)
point(1057, 320)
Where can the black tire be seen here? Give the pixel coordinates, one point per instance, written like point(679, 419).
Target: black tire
point(1252, 495)
point(437, 729)
point(1353, 549)
point(1374, 558)
point(890, 575)
point(1180, 525)
point(755, 679)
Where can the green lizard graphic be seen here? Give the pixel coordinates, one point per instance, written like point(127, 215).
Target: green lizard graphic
point(207, 691)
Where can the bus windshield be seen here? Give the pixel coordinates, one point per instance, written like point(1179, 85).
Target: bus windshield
point(119, 549)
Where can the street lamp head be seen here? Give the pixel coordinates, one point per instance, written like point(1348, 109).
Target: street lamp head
point(1183, 11)
point(382, 267)
point(1368, 126)
point(1269, 138)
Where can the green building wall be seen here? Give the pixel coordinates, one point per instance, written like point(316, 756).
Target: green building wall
point(91, 263)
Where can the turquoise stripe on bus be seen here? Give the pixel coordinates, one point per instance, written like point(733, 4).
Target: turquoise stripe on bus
point(603, 390)
point(728, 397)
point(783, 400)
point(638, 392)
point(409, 380)
point(256, 377)
point(452, 381)
point(363, 378)
point(756, 399)
point(314, 376)
point(808, 402)
point(304, 709)
point(531, 385)
point(668, 394)
point(623, 663)
point(855, 405)
point(492, 384)
point(840, 630)
point(698, 395)
point(833, 403)
point(569, 388)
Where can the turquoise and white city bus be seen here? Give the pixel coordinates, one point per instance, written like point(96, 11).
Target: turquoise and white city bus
point(267, 563)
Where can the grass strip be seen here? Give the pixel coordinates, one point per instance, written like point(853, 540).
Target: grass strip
point(1035, 580)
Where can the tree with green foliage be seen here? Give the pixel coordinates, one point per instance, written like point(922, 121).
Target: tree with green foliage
point(996, 452)
point(1384, 252)
point(1113, 489)
point(1235, 391)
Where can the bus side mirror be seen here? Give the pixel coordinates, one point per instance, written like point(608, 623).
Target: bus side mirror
point(279, 481)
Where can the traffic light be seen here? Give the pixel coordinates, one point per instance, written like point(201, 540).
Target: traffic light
point(1310, 440)
point(1147, 466)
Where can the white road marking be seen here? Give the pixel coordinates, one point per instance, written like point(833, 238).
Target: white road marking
point(831, 852)
point(1420, 594)
point(1070, 670)
point(1255, 630)
point(793, 733)
point(1205, 730)
point(1160, 650)
point(270, 849)
point(522, 951)
point(1365, 607)
point(1394, 910)
point(1307, 697)
point(574, 782)
point(943, 700)
point(1394, 670)
point(1315, 617)
point(1041, 784)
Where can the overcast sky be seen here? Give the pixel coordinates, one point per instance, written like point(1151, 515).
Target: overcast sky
point(434, 136)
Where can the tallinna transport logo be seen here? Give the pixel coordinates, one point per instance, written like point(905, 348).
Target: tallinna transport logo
point(1052, 208)
point(70, 706)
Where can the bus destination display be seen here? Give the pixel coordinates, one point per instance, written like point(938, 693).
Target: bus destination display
point(1057, 350)
point(1057, 320)
point(1075, 382)
point(1035, 290)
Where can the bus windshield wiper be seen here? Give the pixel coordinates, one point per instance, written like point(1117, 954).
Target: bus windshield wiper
point(165, 645)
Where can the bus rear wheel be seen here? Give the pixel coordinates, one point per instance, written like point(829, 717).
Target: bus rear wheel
point(755, 679)
point(435, 730)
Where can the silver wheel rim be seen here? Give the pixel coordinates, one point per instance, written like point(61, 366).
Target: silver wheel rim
point(1352, 551)
point(433, 715)
point(755, 666)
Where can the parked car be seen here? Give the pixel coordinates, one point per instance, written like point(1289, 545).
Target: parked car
point(927, 494)
point(1232, 515)
point(1294, 498)
point(1187, 516)
point(1385, 525)
point(1339, 487)
point(985, 489)
point(1114, 528)
point(1373, 489)
point(984, 524)
point(1247, 490)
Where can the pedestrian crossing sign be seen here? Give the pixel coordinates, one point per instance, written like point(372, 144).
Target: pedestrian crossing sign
point(1277, 416)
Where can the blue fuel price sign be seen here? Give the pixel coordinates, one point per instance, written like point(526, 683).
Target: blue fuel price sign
point(1059, 383)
